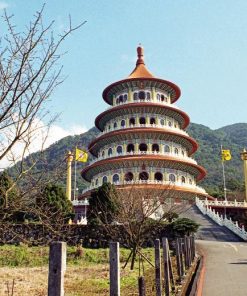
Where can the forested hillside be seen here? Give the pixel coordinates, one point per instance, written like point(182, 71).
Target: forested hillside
point(233, 137)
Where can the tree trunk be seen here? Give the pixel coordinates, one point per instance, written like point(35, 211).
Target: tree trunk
point(133, 257)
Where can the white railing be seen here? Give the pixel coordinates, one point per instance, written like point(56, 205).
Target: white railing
point(177, 156)
point(146, 101)
point(220, 220)
point(168, 128)
point(225, 203)
point(84, 202)
point(195, 188)
point(82, 221)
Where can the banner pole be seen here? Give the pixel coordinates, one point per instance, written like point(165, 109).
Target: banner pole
point(75, 173)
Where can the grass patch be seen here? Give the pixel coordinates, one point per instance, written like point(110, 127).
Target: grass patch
point(87, 274)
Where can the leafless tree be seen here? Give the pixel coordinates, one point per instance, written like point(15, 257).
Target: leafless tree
point(138, 212)
point(29, 73)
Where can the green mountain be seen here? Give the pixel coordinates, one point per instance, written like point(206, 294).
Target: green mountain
point(233, 137)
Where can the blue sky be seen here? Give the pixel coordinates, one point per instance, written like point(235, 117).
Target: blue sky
point(200, 45)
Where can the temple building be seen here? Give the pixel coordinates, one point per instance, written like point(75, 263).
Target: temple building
point(143, 142)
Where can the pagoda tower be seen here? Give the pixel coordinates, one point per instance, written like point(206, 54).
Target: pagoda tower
point(143, 142)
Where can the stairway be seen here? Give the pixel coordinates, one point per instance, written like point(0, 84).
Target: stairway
point(208, 229)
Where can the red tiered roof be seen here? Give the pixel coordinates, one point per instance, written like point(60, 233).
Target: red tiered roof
point(141, 73)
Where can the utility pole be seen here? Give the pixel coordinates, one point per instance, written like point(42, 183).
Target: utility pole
point(244, 158)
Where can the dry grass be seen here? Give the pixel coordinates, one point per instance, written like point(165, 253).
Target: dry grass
point(79, 281)
point(88, 275)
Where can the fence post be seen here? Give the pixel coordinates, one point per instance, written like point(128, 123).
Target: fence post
point(114, 269)
point(194, 246)
point(157, 268)
point(189, 250)
point(141, 286)
point(57, 267)
point(166, 265)
point(192, 249)
point(178, 259)
point(181, 255)
point(186, 259)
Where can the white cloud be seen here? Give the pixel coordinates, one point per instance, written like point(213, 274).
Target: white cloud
point(3, 5)
point(41, 138)
point(57, 132)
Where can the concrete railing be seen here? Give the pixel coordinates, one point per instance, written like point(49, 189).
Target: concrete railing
point(169, 128)
point(225, 203)
point(84, 202)
point(195, 188)
point(220, 220)
point(177, 156)
point(145, 101)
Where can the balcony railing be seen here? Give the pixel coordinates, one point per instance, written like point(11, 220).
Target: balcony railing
point(145, 101)
point(224, 203)
point(177, 156)
point(195, 188)
point(84, 202)
point(169, 128)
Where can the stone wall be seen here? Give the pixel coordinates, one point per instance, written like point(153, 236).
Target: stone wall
point(88, 236)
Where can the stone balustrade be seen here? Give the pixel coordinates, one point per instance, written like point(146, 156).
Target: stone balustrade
point(220, 220)
point(169, 128)
point(169, 183)
point(146, 101)
point(225, 203)
point(177, 156)
point(84, 202)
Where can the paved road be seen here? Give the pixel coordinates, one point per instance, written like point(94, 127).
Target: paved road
point(226, 258)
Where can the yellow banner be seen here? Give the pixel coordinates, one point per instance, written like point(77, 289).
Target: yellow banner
point(226, 155)
point(81, 155)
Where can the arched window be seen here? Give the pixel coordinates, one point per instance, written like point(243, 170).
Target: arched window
point(115, 125)
point(183, 152)
point(141, 95)
point(158, 97)
point(135, 96)
point(167, 149)
point(123, 123)
point(132, 121)
point(176, 150)
point(109, 151)
point(121, 99)
point(125, 97)
point(103, 153)
point(169, 123)
point(155, 147)
point(142, 120)
point(128, 176)
point(172, 178)
point(119, 149)
point(152, 120)
point(115, 178)
point(109, 127)
point(148, 96)
point(183, 179)
point(143, 176)
point(130, 148)
point(96, 182)
point(158, 176)
point(162, 122)
point(117, 101)
point(162, 97)
point(143, 147)
point(104, 180)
